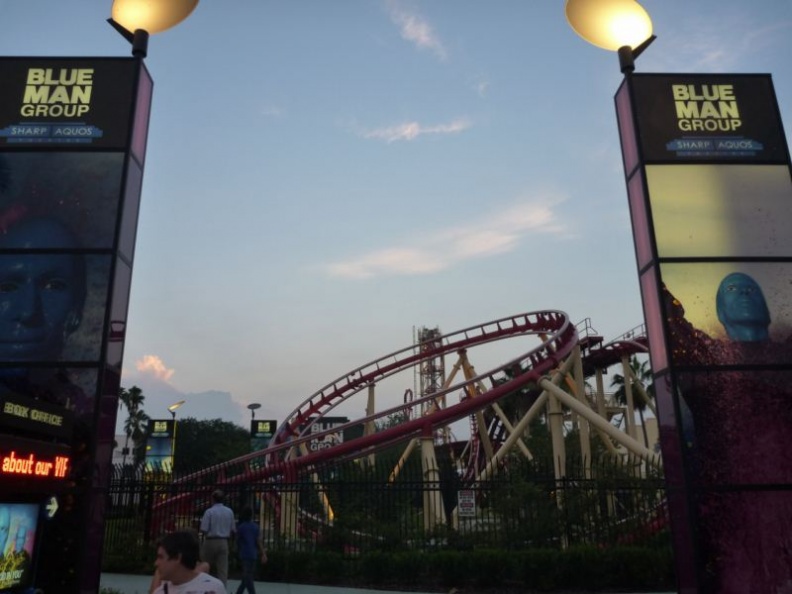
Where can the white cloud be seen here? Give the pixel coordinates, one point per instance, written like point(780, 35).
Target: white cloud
point(702, 45)
point(412, 130)
point(494, 235)
point(415, 29)
point(153, 365)
point(271, 111)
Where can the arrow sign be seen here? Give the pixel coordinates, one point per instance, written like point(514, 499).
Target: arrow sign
point(52, 507)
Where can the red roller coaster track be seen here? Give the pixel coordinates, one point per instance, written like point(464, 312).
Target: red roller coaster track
point(557, 335)
point(281, 460)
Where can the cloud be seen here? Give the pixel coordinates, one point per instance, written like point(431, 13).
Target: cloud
point(412, 130)
point(153, 365)
point(701, 45)
point(415, 29)
point(497, 234)
point(270, 110)
point(482, 87)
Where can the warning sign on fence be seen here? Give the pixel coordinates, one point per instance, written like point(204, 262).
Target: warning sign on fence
point(466, 503)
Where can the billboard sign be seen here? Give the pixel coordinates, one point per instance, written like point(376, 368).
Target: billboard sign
point(57, 102)
point(704, 117)
point(710, 192)
point(72, 142)
point(261, 433)
point(159, 444)
point(18, 539)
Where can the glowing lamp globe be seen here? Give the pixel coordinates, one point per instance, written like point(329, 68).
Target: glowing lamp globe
point(152, 16)
point(609, 24)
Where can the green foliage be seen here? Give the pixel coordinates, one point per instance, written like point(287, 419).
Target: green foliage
point(200, 444)
point(316, 567)
point(125, 549)
point(587, 568)
point(136, 422)
point(641, 375)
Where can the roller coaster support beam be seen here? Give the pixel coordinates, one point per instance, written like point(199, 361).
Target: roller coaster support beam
point(470, 373)
point(402, 460)
point(601, 410)
point(370, 428)
point(289, 507)
point(629, 417)
point(628, 442)
point(522, 426)
point(499, 412)
point(583, 424)
point(519, 429)
point(510, 430)
point(433, 509)
point(555, 415)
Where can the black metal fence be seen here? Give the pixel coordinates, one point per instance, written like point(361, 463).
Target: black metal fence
point(352, 509)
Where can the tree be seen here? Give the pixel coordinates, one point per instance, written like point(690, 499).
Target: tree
point(200, 444)
point(136, 423)
point(642, 374)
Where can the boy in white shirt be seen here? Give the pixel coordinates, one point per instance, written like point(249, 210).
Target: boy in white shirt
point(177, 556)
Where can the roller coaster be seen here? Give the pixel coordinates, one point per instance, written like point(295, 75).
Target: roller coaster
point(550, 378)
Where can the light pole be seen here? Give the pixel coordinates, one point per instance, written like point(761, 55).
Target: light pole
point(253, 408)
point(172, 409)
point(135, 20)
point(622, 26)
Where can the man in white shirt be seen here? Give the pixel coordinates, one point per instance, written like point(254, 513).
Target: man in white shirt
point(218, 527)
point(177, 556)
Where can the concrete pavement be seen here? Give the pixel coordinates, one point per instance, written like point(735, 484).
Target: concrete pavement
point(139, 584)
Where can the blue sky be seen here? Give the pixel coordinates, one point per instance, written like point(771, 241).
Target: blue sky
point(325, 175)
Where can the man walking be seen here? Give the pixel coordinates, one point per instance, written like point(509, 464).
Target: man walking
point(217, 526)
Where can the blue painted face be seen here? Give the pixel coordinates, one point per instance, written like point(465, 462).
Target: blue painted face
point(742, 308)
point(41, 295)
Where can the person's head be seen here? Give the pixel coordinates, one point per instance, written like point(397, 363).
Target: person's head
point(5, 525)
point(246, 514)
point(41, 294)
point(742, 308)
point(218, 496)
point(177, 553)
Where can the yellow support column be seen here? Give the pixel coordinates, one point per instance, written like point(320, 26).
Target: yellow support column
point(434, 511)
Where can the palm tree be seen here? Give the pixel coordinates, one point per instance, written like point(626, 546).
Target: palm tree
point(137, 420)
point(641, 374)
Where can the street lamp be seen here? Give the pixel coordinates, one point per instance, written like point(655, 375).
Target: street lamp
point(253, 408)
point(135, 20)
point(172, 409)
point(616, 25)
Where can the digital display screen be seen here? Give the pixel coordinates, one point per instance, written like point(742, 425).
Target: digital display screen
point(18, 534)
point(159, 445)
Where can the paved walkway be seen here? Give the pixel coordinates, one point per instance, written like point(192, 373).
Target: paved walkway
point(139, 584)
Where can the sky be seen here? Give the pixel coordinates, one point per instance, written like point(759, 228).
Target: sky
point(325, 176)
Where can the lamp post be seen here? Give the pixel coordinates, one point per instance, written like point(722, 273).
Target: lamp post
point(622, 26)
point(253, 408)
point(696, 149)
point(172, 409)
point(135, 20)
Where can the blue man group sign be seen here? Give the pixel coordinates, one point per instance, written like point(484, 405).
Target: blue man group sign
point(710, 191)
point(72, 143)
